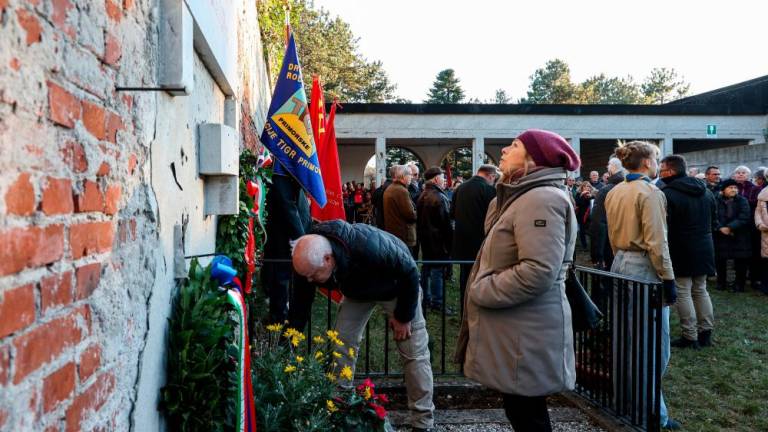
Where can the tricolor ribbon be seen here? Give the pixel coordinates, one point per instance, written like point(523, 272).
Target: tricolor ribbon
point(223, 272)
point(254, 189)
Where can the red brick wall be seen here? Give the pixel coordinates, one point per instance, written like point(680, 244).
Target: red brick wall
point(69, 164)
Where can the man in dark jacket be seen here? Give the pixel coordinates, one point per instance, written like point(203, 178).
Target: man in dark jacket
point(469, 206)
point(732, 237)
point(602, 254)
point(372, 267)
point(691, 221)
point(377, 200)
point(287, 219)
point(712, 176)
point(435, 233)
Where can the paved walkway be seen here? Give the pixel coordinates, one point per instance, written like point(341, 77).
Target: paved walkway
point(477, 420)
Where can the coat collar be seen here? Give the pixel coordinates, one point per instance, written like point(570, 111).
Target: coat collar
point(508, 192)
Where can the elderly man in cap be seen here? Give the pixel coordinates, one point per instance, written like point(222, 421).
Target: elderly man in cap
point(372, 267)
point(435, 234)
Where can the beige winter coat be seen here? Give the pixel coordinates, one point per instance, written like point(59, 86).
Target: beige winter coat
point(517, 318)
point(761, 220)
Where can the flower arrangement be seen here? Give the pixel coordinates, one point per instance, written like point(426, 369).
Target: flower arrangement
point(295, 385)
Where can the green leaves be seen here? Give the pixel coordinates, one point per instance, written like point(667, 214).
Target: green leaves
point(200, 356)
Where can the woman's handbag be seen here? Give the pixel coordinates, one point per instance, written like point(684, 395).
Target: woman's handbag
point(584, 313)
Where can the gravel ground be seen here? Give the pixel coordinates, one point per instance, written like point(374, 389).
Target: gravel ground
point(563, 419)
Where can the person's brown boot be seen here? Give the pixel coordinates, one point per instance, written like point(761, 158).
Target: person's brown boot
point(705, 338)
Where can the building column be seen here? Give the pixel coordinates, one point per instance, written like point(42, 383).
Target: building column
point(667, 145)
point(576, 145)
point(478, 153)
point(381, 160)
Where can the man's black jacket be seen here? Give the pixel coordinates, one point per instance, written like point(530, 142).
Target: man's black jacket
point(691, 221)
point(372, 265)
point(433, 226)
point(469, 206)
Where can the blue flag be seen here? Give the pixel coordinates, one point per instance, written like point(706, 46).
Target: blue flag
point(287, 132)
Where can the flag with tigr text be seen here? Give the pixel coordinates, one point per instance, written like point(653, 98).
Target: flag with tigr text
point(287, 132)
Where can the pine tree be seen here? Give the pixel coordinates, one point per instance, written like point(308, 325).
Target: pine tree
point(445, 89)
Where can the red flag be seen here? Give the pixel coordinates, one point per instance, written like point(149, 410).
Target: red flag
point(328, 156)
point(317, 116)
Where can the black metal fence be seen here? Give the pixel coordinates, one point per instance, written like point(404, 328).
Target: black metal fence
point(618, 365)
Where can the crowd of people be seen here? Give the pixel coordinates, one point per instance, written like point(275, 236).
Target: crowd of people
point(515, 228)
point(737, 215)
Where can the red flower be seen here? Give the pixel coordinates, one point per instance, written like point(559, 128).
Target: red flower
point(380, 411)
point(366, 383)
point(382, 398)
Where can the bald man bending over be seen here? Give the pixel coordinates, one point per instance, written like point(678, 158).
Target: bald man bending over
point(372, 267)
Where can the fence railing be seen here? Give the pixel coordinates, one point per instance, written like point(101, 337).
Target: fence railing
point(618, 364)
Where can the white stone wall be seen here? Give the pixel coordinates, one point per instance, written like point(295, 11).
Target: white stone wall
point(88, 203)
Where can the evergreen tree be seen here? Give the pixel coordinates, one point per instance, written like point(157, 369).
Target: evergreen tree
point(664, 85)
point(327, 48)
point(600, 89)
point(551, 84)
point(445, 89)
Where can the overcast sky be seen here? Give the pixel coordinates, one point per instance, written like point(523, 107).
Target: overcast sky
point(499, 44)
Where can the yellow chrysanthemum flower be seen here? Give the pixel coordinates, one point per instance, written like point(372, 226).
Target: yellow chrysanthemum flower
point(331, 406)
point(331, 377)
point(336, 354)
point(290, 332)
point(351, 352)
point(333, 334)
point(319, 355)
point(346, 372)
point(368, 393)
point(299, 359)
point(289, 369)
point(275, 328)
point(318, 340)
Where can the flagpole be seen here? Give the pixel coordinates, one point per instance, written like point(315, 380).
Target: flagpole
point(287, 9)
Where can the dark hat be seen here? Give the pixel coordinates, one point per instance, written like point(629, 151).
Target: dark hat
point(728, 182)
point(549, 149)
point(432, 172)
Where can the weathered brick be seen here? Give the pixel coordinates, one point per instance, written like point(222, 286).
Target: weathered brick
point(15, 64)
point(90, 237)
point(30, 246)
point(132, 162)
point(20, 197)
point(47, 341)
point(55, 291)
point(58, 386)
point(29, 22)
point(127, 4)
point(17, 309)
point(94, 119)
point(104, 169)
point(65, 108)
point(91, 199)
point(112, 49)
point(114, 124)
point(57, 197)
point(90, 360)
point(93, 398)
point(88, 277)
point(112, 199)
point(74, 156)
point(59, 16)
point(5, 365)
point(113, 10)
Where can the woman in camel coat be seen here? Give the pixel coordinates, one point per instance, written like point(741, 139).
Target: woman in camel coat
point(516, 334)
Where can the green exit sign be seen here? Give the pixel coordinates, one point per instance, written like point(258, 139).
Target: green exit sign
point(711, 131)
